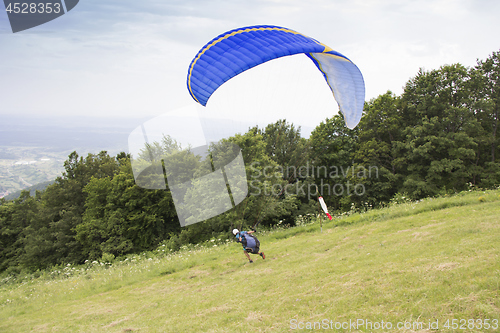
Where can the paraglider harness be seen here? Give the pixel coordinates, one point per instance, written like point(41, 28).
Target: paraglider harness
point(250, 243)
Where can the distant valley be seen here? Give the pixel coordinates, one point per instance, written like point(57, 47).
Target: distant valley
point(33, 149)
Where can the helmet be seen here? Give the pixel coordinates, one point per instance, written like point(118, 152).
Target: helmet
point(235, 232)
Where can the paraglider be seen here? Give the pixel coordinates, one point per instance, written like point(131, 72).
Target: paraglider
point(238, 50)
point(249, 242)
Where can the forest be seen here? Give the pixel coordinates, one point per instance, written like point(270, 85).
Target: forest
point(438, 137)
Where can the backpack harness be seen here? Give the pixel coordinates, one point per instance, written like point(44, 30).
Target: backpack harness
point(250, 242)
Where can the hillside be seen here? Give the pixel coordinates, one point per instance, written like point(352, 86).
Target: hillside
point(417, 265)
point(38, 187)
point(33, 149)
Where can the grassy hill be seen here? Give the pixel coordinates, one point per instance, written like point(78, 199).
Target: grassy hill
point(414, 266)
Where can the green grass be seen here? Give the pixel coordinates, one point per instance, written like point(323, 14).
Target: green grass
point(435, 260)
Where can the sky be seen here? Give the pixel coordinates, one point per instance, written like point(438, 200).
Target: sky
point(123, 58)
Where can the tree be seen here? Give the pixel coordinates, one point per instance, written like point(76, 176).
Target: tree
point(333, 147)
point(50, 238)
point(15, 217)
point(285, 146)
point(379, 137)
point(488, 112)
point(264, 178)
point(121, 217)
point(439, 149)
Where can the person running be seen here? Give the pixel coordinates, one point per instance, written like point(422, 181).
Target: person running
point(250, 243)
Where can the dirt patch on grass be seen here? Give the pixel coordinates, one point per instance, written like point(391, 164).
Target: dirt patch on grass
point(222, 308)
point(252, 316)
point(41, 328)
point(116, 322)
point(447, 266)
point(420, 235)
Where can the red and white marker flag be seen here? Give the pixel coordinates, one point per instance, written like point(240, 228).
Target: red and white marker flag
point(325, 209)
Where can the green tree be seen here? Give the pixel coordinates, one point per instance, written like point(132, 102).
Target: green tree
point(264, 178)
point(376, 157)
point(333, 148)
point(488, 112)
point(50, 238)
point(439, 150)
point(121, 217)
point(285, 146)
point(15, 217)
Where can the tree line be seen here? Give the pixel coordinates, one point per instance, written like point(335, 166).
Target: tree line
point(438, 137)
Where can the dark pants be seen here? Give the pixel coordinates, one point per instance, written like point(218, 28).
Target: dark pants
point(254, 250)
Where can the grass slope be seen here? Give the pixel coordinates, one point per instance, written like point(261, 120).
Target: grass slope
point(431, 264)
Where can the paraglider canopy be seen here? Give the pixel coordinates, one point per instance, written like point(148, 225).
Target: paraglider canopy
point(238, 50)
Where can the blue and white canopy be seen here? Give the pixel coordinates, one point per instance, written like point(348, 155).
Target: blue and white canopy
point(238, 50)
